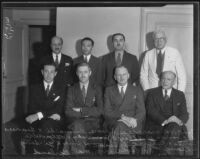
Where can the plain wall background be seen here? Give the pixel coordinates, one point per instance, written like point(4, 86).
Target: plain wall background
point(98, 23)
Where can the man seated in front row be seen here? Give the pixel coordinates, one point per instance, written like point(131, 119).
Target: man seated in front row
point(166, 114)
point(45, 108)
point(83, 110)
point(124, 112)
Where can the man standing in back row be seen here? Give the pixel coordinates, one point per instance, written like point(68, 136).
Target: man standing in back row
point(160, 59)
point(63, 63)
point(87, 45)
point(116, 58)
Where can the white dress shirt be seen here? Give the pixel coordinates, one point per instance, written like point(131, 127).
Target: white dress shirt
point(168, 92)
point(87, 57)
point(59, 57)
point(86, 86)
point(124, 87)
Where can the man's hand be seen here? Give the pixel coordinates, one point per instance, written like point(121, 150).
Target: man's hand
point(133, 122)
point(31, 118)
point(175, 119)
point(129, 121)
point(165, 122)
point(55, 117)
point(76, 109)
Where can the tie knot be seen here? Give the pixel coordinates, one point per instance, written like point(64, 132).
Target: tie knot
point(165, 91)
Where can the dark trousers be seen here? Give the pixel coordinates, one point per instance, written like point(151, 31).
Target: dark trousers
point(167, 137)
point(44, 137)
point(119, 139)
point(81, 129)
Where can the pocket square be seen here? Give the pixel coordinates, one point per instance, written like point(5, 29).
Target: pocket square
point(67, 64)
point(94, 99)
point(134, 97)
point(58, 97)
point(178, 104)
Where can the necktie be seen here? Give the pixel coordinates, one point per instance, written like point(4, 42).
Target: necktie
point(47, 89)
point(85, 59)
point(56, 61)
point(159, 63)
point(166, 97)
point(122, 92)
point(119, 60)
point(83, 93)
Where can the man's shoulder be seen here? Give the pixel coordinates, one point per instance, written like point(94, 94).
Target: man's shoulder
point(154, 91)
point(78, 59)
point(108, 55)
point(66, 57)
point(129, 55)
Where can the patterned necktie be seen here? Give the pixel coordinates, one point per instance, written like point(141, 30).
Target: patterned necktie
point(159, 63)
point(122, 92)
point(83, 93)
point(47, 89)
point(119, 59)
point(166, 97)
point(56, 61)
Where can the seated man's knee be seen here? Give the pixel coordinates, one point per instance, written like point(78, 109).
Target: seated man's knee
point(78, 126)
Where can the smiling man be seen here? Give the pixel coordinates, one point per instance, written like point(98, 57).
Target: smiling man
point(63, 62)
point(46, 108)
point(159, 59)
point(124, 112)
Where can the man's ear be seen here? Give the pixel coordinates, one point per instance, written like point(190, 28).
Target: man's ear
point(115, 77)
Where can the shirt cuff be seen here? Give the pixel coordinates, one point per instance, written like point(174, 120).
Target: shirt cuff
point(40, 115)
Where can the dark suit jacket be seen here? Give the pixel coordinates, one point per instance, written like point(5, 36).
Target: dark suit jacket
point(108, 64)
point(154, 107)
point(131, 105)
point(64, 75)
point(94, 64)
point(93, 104)
point(48, 105)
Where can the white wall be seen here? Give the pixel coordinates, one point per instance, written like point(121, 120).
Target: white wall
point(98, 23)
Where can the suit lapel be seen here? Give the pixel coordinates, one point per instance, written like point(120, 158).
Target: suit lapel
point(90, 94)
point(160, 98)
point(174, 99)
point(42, 90)
point(124, 58)
point(117, 96)
point(78, 94)
point(112, 60)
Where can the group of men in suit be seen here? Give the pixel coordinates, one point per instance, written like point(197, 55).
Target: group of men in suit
point(80, 92)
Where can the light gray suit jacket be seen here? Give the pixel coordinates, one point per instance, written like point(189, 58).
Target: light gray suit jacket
point(172, 62)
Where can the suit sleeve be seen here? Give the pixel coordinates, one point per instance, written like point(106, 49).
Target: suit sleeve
point(183, 114)
point(153, 112)
point(32, 101)
point(140, 109)
point(103, 70)
point(144, 73)
point(110, 112)
point(70, 104)
point(97, 109)
point(135, 71)
point(181, 74)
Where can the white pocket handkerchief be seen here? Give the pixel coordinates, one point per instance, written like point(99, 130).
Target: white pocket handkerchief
point(178, 104)
point(67, 64)
point(56, 98)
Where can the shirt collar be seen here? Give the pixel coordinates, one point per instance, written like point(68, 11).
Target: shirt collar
point(162, 50)
point(168, 91)
point(124, 87)
point(45, 84)
point(87, 56)
point(86, 85)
